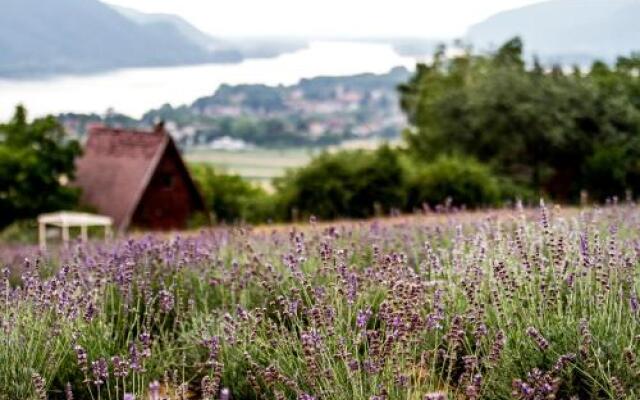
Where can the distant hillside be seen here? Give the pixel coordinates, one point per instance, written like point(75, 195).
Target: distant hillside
point(238, 47)
point(566, 30)
point(314, 112)
point(76, 36)
point(187, 30)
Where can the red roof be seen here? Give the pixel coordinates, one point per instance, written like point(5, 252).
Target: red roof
point(116, 167)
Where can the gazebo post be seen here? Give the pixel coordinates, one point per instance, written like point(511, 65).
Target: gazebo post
point(42, 235)
point(65, 232)
point(83, 233)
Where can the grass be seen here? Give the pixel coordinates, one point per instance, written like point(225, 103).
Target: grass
point(506, 305)
point(261, 165)
point(256, 165)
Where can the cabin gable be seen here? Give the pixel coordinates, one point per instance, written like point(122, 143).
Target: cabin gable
point(170, 197)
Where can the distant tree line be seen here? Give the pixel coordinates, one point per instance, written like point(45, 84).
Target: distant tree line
point(355, 184)
point(554, 131)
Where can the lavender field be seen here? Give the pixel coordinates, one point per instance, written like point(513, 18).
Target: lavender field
point(535, 304)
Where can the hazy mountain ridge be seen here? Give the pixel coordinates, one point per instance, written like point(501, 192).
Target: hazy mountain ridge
point(565, 30)
point(83, 36)
point(183, 27)
point(240, 47)
point(77, 36)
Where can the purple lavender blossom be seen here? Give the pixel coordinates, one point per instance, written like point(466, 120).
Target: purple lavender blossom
point(213, 344)
point(540, 341)
point(68, 392)
point(166, 301)
point(435, 396)
point(145, 340)
point(100, 371)
point(363, 317)
point(154, 390)
point(81, 357)
point(120, 367)
point(134, 358)
point(39, 385)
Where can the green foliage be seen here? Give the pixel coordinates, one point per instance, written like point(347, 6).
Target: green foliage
point(82, 122)
point(345, 184)
point(257, 97)
point(325, 87)
point(361, 184)
point(229, 197)
point(23, 231)
point(462, 180)
point(549, 130)
point(34, 158)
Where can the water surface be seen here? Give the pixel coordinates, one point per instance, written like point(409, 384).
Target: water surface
point(135, 90)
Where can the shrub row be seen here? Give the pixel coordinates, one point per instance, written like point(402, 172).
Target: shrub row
point(357, 184)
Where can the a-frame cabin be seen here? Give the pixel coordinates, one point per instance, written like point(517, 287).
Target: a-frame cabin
point(138, 178)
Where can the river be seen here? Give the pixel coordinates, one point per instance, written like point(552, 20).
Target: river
point(133, 91)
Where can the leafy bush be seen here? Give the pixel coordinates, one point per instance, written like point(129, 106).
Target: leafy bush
point(23, 231)
point(613, 169)
point(356, 184)
point(229, 197)
point(344, 184)
point(462, 180)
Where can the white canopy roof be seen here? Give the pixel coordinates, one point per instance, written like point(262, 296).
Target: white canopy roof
point(72, 218)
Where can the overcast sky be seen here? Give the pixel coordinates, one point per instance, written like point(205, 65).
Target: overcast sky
point(327, 18)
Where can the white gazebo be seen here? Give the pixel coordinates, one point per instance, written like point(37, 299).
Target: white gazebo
point(67, 219)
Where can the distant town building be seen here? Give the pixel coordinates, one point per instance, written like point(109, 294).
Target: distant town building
point(228, 143)
point(137, 178)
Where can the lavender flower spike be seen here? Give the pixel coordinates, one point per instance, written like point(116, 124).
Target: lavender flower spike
point(537, 337)
point(154, 390)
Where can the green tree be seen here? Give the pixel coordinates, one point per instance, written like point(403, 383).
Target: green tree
point(343, 184)
point(229, 197)
point(546, 129)
point(454, 179)
point(36, 162)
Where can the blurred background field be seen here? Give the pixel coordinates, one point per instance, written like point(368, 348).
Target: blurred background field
point(256, 165)
point(262, 165)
